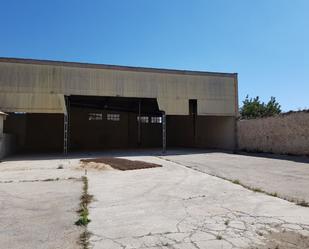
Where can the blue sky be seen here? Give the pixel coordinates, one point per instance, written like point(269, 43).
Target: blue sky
point(265, 41)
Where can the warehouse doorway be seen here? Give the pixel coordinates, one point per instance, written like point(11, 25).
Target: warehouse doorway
point(99, 123)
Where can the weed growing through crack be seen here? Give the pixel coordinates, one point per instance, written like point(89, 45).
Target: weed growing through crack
point(219, 237)
point(257, 190)
point(51, 179)
point(236, 181)
point(302, 203)
point(275, 194)
point(83, 212)
point(260, 233)
point(84, 239)
point(85, 199)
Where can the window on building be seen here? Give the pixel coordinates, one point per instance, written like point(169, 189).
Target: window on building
point(113, 117)
point(95, 116)
point(143, 119)
point(156, 120)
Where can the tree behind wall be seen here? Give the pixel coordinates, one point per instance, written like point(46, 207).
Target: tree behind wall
point(254, 108)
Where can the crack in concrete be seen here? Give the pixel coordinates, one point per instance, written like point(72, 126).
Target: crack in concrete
point(41, 180)
point(228, 233)
point(232, 228)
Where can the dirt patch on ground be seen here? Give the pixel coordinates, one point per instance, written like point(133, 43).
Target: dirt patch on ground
point(103, 163)
point(94, 166)
point(285, 240)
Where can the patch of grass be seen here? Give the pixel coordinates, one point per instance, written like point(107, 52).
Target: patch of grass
point(219, 237)
point(257, 190)
point(236, 181)
point(302, 203)
point(83, 218)
point(275, 194)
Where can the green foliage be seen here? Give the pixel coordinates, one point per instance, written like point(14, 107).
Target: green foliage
point(85, 200)
point(254, 108)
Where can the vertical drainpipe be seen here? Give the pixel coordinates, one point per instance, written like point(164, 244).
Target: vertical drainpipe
point(163, 132)
point(236, 111)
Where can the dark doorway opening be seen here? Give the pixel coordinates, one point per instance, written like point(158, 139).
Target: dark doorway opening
point(97, 123)
point(35, 132)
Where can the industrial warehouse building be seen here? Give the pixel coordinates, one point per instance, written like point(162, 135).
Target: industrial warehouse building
point(68, 106)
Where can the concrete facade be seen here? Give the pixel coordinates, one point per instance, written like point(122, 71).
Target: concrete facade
point(41, 96)
point(39, 86)
point(6, 140)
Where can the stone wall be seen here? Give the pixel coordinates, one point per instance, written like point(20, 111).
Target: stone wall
point(283, 134)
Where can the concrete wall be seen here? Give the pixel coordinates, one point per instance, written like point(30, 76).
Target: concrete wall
point(36, 132)
point(287, 134)
point(1, 123)
point(216, 132)
point(44, 132)
point(39, 86)
point(7, 145)
point(210, 132)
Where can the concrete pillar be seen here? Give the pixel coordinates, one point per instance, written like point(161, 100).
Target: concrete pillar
point(163, 133)
point(2, 118)
point(2, 142)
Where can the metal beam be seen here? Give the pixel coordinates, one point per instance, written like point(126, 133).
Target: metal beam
point(163, 132)
point(139, 124)
point(66, 126)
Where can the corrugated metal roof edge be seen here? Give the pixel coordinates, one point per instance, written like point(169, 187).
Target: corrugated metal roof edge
point(113, 67)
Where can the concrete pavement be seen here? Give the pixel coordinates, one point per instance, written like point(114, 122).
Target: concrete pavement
point(288, 176)
point(176, 206)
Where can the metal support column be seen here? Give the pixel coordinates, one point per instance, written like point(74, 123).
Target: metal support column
point(163, 132)
point(66, 126)
point(139, 124)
